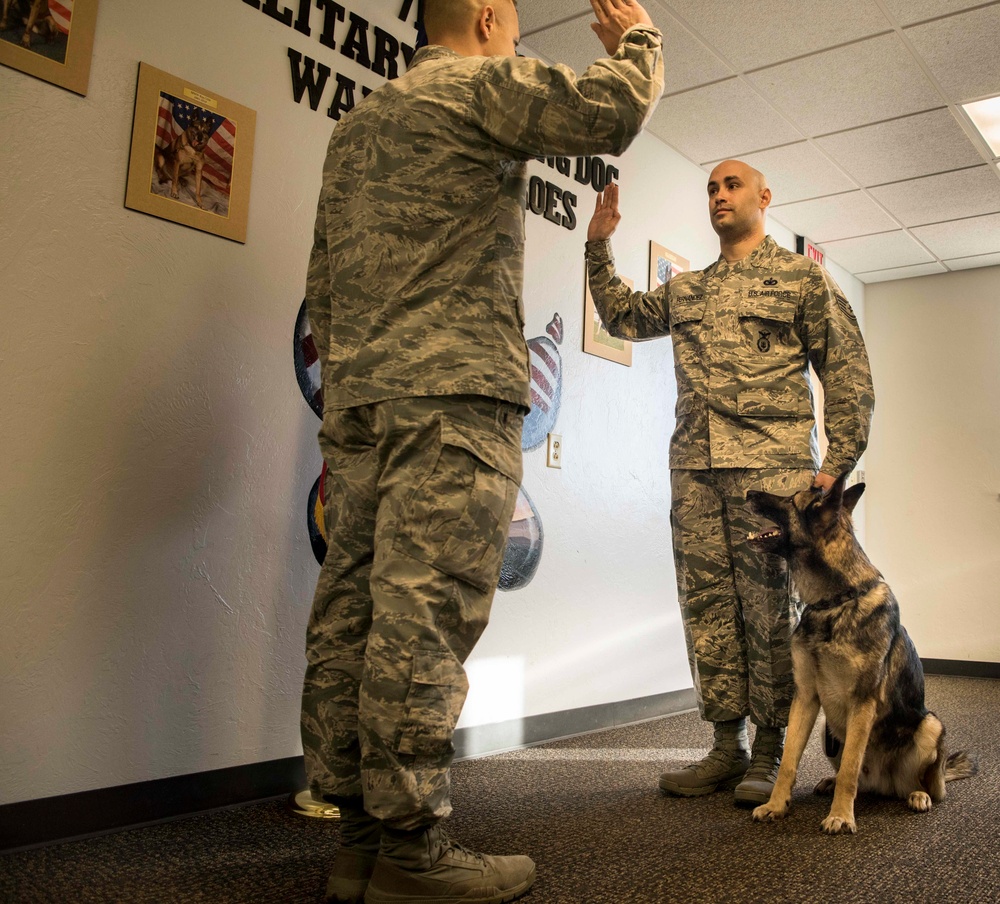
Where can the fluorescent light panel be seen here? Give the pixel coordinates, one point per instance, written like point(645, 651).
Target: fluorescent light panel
point(985, 116)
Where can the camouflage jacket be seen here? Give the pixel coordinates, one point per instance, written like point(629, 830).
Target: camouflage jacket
point(743, 336)
point(415, 278)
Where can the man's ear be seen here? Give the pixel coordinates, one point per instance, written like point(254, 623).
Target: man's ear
point(487, 19)
point(765, 198)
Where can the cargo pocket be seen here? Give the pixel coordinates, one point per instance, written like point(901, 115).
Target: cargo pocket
point(453, 519)
point(438, 688)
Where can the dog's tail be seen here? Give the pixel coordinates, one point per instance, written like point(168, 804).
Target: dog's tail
point(960, 764)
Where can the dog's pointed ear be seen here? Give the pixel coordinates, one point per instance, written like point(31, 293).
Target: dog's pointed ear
point(852, 495)
point(835, 495)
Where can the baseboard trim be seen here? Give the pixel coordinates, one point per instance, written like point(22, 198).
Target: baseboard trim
point(961, 668)
point(68, 817)
point(52, 820)
point(482, 740)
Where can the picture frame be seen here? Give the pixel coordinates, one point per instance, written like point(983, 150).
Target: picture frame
point(664, 264)
point(191, 159)
point(596, 338)
point(50, 39)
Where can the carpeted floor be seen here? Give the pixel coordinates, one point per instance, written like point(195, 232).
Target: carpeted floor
point(588, 811)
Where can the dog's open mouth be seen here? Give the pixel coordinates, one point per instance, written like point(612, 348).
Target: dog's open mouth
point(765, 539)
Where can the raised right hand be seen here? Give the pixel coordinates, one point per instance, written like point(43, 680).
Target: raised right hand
point(614, 18)
point(606, 216)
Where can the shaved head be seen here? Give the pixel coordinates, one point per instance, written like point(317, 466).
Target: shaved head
point(741, 170)
point(443, 18)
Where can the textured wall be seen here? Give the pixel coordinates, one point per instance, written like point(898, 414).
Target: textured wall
point(155, 570)
point(934, 509)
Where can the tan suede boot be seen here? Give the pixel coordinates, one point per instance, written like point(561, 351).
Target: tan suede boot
point(723, 768)
point(425, 865)
point(757, 784)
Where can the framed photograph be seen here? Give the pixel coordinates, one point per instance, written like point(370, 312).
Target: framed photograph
point(663, 264)
point(596, 339)
point(192, 155)
point(49, 39)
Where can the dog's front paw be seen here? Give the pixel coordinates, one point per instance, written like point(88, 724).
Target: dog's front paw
point(919, 801)
point(826, 785)
point(770, 811)
point(839, 825)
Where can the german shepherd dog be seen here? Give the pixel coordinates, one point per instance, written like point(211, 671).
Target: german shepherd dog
point(184, 154)
point(852, 657)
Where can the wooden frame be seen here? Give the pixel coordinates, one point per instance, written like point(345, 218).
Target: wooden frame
point(60, 41)
point(596, 338)
point(173, 118)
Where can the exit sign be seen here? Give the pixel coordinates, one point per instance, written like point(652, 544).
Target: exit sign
point(804, 246)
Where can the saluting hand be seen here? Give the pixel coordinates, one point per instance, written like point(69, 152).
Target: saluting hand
point(614, 18)
point(606, 216)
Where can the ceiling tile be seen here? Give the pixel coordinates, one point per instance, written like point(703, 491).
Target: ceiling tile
point(754, 33)
point(978, 260)
point(691, 122)
point(836, 217)
point(946, 196)
point(798, 171)
point(962, 238)
point(906, 12)
point(902, 148)
point(901, 273)
point(690, 63)
point(849, 86)
point(877, 252)
point(961, 52)
point(543, 13)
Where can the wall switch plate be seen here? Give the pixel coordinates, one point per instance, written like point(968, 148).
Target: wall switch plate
point(554, 450)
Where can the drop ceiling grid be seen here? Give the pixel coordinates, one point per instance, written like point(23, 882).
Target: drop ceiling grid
point(765, 117)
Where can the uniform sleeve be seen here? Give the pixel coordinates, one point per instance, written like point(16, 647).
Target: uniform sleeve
point(528, 106)
point(838, 355)
point(625, 314)
point(318, 290)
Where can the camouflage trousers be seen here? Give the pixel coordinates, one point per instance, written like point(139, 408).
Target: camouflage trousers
point(738, 607)
point(420, 494)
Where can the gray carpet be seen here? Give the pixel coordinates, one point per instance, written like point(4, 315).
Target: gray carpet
point(588, 811)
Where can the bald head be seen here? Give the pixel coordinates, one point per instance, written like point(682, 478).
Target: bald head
point(730, 168)
point(454, 22)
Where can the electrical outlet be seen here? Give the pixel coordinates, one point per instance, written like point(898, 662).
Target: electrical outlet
point(554, 451)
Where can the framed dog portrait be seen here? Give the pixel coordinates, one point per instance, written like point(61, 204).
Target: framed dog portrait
point(596, 338)
point(49, 39)
point(192, 155)
point(663, 265)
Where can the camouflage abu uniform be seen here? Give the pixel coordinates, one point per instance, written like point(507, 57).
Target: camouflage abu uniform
point(743, 336)
point(414, 298)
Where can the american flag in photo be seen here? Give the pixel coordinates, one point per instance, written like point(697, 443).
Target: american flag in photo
point(175, 116)
point(664, 270)
point(62, 13)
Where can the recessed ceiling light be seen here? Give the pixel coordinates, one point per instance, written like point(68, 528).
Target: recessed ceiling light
point(985, 116)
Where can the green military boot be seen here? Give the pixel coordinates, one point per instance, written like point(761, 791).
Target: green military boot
point(354, 862)
point(755, 789)
point(425, 865)
point(723, 768)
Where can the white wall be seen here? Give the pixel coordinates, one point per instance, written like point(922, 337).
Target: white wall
point(934, 458)
point(155, 571)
